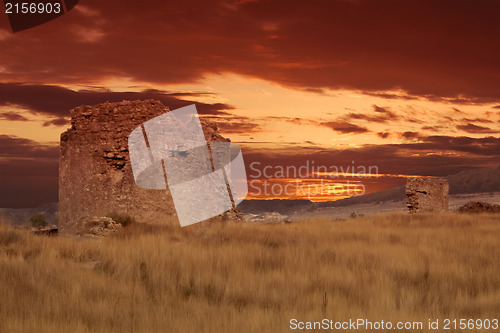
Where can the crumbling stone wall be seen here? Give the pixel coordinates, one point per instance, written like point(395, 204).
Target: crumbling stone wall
point(95, 174)
point(427, 194)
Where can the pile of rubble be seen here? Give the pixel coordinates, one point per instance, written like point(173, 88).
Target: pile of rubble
point(98, 227)
point(266, 217)
point(479, 207)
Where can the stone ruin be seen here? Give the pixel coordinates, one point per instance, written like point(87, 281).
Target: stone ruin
point(95, 174)
point(427, 194)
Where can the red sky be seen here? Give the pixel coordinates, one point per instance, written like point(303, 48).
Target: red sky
point(412, 87)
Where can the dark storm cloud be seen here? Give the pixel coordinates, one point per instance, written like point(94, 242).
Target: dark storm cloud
point(471, 128)
point(477, 120)
point(56, 122)
point(417, 121)
point(433, 49)
point(344, 127)
point(28, 172)
point(408, 159)
point(390, 96)
point(487, 146)
point(383, 110)
point(380, 115)
point(238, 127)
point(15, 147)
point(28, 182)
point(432, 128)
point(409, 135)
point(293, 120)
point(12, 116)
point(57, 101)
point(234, 124)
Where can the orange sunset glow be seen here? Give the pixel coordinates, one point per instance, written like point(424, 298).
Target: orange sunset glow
point(406, 88)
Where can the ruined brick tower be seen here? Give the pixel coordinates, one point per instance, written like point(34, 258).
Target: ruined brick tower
point(427, 194)
point(95, 174)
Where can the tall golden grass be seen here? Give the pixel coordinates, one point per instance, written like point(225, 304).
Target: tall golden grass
point(239, 277)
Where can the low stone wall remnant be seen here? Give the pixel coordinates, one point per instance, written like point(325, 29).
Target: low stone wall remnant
point(427, 194)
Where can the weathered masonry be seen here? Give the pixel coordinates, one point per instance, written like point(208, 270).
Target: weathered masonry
point(427, 194)
point(95, 175)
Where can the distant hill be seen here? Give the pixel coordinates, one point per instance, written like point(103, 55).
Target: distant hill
point(392, 194)
point(465, 182)
point(285, 207)
point(470, 181)
point(475, 181)
point(21, 217)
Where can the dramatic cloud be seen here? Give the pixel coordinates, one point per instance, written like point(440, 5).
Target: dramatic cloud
point(386, 95)
point(487, 146)
point(366, 45)
point(28, 172)
point(28, 182)
point(409, 135)
point(384, 111)
point(432, 128)
point(344, 127)
point(382, 115)
point(57, 101)
point(14, 147)
point(29, 175)
point(458, 111)
point(471, 128)
point(294, 120)
point(56, 122)
point(477, 120)
point(383, 135)
point(430, 156)
point(238, 127)
point(12, 116)
point(234, 124)
point(444, 51)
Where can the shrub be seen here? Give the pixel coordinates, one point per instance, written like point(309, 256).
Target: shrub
point(38, 221)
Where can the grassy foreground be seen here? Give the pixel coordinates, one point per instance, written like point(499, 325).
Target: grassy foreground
point(252, 278)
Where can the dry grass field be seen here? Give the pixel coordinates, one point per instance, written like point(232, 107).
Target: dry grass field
point(241, 277)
